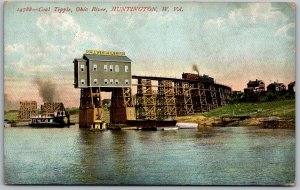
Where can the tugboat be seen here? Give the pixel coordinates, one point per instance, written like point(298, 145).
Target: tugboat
point(56, 119)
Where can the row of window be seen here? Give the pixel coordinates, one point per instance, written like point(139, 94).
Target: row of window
point(107, 68)
point(107, 81)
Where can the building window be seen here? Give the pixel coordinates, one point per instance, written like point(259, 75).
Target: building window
point(111, 68)
point(105, 81)
point(82, 81)
point(82, 68)
point(126, 81)
point(95, 81)
point(95, 67)
point(111, 81)
point(117, 68)
point(126, 68)
point(117, 81)
point(105, 68)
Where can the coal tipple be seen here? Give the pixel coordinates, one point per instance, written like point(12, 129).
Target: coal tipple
point(157, 98)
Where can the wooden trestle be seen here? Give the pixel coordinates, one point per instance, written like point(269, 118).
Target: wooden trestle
point(165, 101)
point(145, 101)
point(176, 97)
point(184, 101)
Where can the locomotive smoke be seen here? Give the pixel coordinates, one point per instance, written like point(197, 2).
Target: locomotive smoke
point(195, 68)
point(47, 90)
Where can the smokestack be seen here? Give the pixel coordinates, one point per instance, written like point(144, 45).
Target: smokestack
point(195, 68)
point(47, 90)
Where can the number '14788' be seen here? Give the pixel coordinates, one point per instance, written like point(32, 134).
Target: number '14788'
point(25, 9)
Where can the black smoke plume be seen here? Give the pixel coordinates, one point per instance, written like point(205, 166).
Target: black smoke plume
point(47, 90)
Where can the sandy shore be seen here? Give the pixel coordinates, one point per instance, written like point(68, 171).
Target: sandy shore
point(213, 121)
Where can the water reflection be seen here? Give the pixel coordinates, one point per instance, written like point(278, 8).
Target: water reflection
point(205, 132)
point(219, 156)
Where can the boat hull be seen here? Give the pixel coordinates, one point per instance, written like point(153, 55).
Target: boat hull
point(50, 125)
point(50, 120)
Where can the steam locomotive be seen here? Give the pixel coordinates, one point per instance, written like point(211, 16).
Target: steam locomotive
point(197, 77)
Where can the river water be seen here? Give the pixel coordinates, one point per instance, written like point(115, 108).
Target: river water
point(216, 156)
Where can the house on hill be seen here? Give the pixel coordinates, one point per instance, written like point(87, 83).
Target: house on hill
point(276, 87)
point(255, 86)
point(291, 86)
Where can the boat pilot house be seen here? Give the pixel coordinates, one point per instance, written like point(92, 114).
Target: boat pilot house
point(102, 69)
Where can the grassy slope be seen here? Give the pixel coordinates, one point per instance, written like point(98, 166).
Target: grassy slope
point(12, 115)
point(284, 109)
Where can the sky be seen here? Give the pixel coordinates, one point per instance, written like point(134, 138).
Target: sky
point(231, 42)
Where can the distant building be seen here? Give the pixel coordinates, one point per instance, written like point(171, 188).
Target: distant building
point(102, 69)
point(291, 87)
point(255, 86)
point(276, 87)
point(248, 90)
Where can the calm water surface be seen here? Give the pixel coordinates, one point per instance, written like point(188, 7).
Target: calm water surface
point(217, 156)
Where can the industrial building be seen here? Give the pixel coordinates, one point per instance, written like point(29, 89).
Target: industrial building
point(52, 107)
point(27, 109)
point(102, 69)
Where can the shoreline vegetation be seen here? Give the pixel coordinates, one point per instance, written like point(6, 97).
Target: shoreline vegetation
point(280, 113)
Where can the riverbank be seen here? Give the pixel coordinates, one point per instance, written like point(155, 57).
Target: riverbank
point(283, 110)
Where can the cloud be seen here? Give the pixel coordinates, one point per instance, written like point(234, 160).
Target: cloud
point(287, 31)
point(215, 22)
point(58, 41)
point(263, 12)
point(63, 30)
point(58, 23)
point(140, 19)
point(13, 48)
point(30, 62)
point(252, 14)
